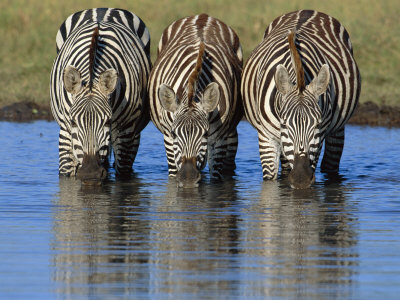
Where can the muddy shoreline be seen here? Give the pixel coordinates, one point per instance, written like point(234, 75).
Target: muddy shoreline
point(367, 113)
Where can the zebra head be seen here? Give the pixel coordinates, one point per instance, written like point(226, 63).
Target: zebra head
point(90, 121)
point(189, 130)
point(190, 125)
point(300, 118)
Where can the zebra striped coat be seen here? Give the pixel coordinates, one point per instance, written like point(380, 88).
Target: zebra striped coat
point(98, 90)
point(314, 51)
point(194, 91)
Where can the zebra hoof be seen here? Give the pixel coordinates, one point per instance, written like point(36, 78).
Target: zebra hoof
point(124, 175)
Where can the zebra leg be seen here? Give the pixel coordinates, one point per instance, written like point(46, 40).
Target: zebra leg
point(269, 155)
point(229, 165)
point(169, 149)
point(285, 166)
point(125, 149)
point(333, 151)
point(316, 158)
point(216, 157)
point(68, 165)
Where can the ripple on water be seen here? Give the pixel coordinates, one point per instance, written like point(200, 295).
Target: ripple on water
point(243, 237)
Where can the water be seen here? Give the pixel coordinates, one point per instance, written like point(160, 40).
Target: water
point(244, 238)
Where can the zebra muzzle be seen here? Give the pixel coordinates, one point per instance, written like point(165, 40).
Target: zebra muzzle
point(302, 175)
point(91, 170)
point(188, 175)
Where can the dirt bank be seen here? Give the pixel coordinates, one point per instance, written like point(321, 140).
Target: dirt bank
point(371, 114)
point(366, 114)
point(25, 112)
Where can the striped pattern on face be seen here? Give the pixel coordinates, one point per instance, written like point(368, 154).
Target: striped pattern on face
point(91, 125)
point(189, 132)
point(299, 126)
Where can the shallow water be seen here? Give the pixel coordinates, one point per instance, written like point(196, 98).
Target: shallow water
point(244, 238)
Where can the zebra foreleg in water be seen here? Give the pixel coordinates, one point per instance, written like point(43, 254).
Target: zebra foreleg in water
point(269, 154)
point(125, 147)
point(285, 165)
point(67, 161)
point(334, 144)
point(217, 158)
point(169, 150)
point(232, 142)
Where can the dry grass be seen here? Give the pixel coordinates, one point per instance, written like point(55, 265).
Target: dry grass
point(28, 29)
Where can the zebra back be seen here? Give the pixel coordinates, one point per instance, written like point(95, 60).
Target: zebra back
point(97, 15)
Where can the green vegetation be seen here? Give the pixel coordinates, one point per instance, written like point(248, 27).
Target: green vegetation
point(28, 30)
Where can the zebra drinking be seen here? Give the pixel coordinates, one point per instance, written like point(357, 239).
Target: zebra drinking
point(194, 91)
point(313, 50)
point(98, 91)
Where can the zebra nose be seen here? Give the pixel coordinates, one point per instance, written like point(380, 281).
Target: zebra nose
point(188, 175)
point(302, 175)
point(91, 170)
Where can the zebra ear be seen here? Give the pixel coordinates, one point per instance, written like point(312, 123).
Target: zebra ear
point(72, 80)
point(282, 80)
point(167, 97)
point(320, 83)
point(211, 97)
point(108, 81)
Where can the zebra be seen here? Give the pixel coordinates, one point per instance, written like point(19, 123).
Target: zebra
point(293, 120)
point(194, 92)
point(98, 91)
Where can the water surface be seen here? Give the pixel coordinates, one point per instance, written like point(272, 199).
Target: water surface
point(145, 238)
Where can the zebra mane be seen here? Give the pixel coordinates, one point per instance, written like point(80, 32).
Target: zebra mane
point(296, 62)
point(194, 76)
point(92, 56)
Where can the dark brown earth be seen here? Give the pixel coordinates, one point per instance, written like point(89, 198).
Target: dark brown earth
point(366, 114)
point(25, 112)
point(371, 114)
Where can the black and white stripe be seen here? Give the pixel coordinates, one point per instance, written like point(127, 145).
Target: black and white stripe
point(98, 87)
point(295, 120)
point(199, 58)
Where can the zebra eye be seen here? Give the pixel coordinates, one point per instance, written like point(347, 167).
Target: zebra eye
point(73, 124)
point(173, 134)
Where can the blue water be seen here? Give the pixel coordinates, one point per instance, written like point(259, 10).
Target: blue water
point(244, 238)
